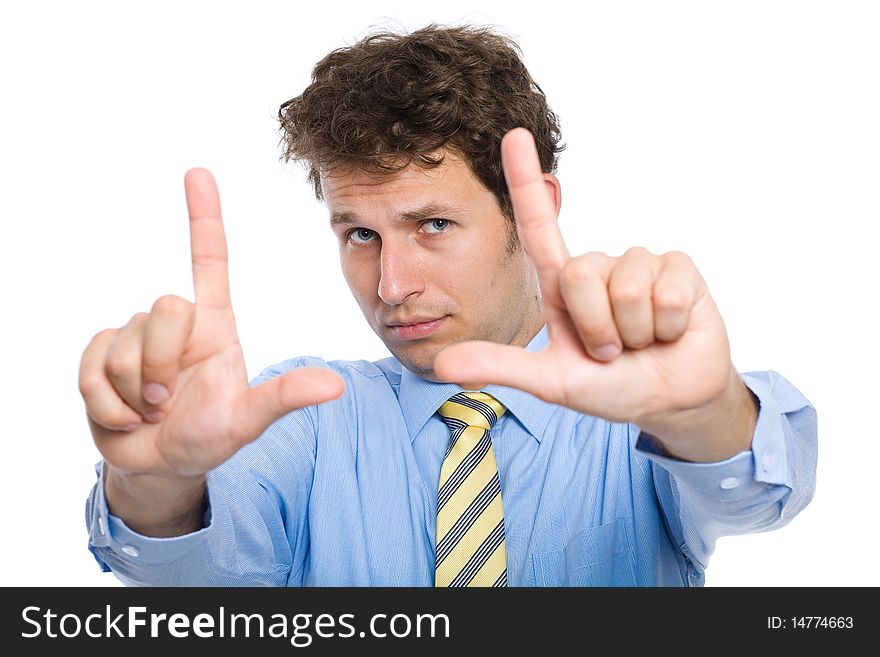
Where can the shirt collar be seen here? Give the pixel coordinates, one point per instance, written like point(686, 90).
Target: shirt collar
point(420, 398)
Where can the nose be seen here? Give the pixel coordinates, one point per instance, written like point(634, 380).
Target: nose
point(401, 274)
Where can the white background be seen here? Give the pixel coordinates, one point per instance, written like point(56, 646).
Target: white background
point(743, 133)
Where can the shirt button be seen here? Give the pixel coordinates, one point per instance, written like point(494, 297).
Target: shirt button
point(729, 482)
point(130, 550)
point(767, 461)
point(101, 525)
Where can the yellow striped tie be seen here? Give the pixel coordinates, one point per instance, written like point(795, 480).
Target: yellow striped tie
point(470, 517)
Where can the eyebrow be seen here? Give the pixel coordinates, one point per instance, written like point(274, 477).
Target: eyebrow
point(425, 212)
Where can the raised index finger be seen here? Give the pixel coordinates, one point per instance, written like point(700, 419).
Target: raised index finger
point(535, 214)
point(208, 241)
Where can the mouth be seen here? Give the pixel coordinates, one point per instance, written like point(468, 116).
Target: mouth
point(416, 330)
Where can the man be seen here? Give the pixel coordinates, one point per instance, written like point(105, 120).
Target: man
point(544, 419)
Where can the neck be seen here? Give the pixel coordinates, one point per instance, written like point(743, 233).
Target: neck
point(532, 325)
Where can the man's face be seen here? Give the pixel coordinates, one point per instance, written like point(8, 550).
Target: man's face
point(425, 254)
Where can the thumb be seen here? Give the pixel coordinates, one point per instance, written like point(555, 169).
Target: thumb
point(478, 363)
point(302, 386)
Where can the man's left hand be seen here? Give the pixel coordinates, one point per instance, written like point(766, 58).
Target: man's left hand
point(635, 338)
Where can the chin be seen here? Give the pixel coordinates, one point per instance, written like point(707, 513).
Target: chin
point(422, 364)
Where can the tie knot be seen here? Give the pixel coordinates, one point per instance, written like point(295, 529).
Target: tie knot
point(475, 409)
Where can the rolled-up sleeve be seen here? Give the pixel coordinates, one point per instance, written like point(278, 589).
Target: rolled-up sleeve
point(756, 490)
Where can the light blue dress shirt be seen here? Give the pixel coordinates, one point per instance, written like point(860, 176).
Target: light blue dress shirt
point(345, 493)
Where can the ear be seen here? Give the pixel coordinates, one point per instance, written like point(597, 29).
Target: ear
point(554, 188)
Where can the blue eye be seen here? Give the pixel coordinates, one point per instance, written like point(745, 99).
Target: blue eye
point(360, 232)
point(445, 223)
point(364, 235)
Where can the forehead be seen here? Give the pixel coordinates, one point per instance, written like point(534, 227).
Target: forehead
point(451, 180)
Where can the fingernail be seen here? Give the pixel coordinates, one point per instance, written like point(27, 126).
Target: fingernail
point(155, 393)
point(154, 417)
point(130, 427)
point(607, 352)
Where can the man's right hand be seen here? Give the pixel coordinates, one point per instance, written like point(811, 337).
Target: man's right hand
point(154, 441)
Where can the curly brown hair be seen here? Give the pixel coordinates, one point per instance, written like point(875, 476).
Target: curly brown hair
point(392, 100)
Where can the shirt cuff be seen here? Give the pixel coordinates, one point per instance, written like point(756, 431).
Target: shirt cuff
point(742, 474)
point(109, 531)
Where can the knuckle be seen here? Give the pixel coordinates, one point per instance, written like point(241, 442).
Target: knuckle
point(156, 367)
point(670, 299)
point(106, 333)
point(596, 333)
point(637, 251)
point(679, 256)
point(598, 261)
point(595, 256)
point(170, 304)
point(577, 271)
point(119, 364)
point(88, 386)
point(100, 337)
point(626, 291)
point(208, 259)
